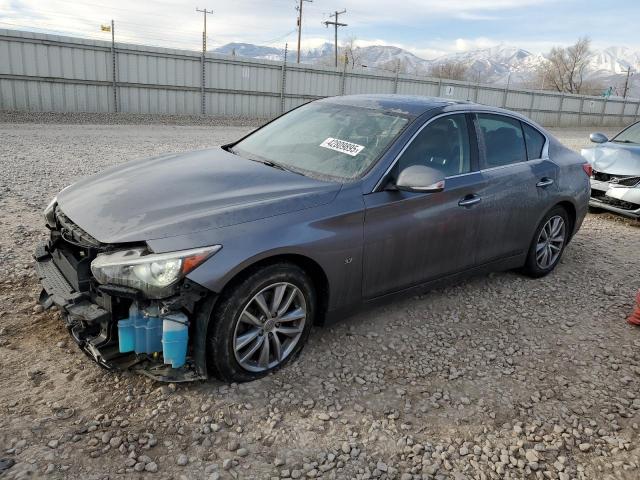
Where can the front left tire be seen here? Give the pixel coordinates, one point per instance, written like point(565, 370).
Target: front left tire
point(261, 322)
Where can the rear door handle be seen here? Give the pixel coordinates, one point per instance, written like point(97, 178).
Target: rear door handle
point(470, 200)
point(545, 182)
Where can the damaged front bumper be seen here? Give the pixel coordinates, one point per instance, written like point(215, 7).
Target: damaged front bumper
point(91, 313)
point(621, 199)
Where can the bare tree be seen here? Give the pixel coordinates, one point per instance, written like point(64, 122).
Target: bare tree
point(351, 52)
point(399, 65)
point(564, 68)
point(450, 70)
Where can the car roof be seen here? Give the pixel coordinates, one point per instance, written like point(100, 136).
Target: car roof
point(416, 105)
point(413, 105)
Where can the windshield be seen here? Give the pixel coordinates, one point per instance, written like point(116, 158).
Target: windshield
point(629, 135)
point(323, 140)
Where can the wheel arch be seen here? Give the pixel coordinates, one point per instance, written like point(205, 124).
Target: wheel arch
point(312, 268)
point(207, 307)
point(572, 213)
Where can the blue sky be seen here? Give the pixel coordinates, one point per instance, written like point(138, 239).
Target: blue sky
point(426, 27)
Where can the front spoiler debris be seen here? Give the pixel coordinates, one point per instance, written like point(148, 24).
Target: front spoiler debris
point(614, 198)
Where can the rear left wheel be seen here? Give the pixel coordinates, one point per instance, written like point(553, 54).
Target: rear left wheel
point(261, 324)
point(548, 243)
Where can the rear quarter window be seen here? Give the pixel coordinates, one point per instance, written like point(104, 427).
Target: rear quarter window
point(535, 141)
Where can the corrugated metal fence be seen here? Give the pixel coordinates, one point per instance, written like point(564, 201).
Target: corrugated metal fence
point(65, 74)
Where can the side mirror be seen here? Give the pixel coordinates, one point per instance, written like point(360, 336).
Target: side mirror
point(420, 178)
point(598, 137)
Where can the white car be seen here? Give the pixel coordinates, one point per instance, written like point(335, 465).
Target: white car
point(615, 181)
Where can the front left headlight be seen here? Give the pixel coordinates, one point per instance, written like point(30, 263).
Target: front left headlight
point(153, 274)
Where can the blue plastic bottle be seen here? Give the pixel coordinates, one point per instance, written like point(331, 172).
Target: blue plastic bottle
point(152, 329)
point(175, 336)
point(140, 325)
point(127, 332)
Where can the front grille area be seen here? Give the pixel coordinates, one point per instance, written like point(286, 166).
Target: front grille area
point(72, 250)
point(627, 181)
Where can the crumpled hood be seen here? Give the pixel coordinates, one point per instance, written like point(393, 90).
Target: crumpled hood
point(184, 193)
point(614, 159)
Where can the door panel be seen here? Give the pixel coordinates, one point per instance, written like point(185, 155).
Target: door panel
point(411, 238)
point(511, 207)
point(517, 191)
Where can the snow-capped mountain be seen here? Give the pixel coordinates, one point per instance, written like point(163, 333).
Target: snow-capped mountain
point(499, 61)
point(313, 55)
point(616, 60)
point(488, 65)
point(384, 56)
point(250, 50)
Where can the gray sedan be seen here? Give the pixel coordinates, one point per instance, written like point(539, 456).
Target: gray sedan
point(219, 261)
point(615, 182)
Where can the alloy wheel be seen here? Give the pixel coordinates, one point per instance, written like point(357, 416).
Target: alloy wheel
point(550, 242)
point(269, 327)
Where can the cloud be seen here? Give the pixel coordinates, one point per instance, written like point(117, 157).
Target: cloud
point(476, 16)
point(466, 44)
point(427, 28)
point(414, 10)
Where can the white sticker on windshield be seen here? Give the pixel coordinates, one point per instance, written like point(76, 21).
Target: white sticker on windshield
point(342, 146)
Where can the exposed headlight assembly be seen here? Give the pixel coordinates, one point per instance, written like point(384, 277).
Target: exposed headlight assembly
point(153, 274)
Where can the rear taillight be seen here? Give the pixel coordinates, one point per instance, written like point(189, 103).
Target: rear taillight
point(588, 169)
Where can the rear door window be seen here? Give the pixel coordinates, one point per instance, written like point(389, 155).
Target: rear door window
point(535, 141)
point(503, 140)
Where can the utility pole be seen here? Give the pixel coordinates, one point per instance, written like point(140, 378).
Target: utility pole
point(113, 59)
point(114, 68)
point(299, 8)
point(204, 12)
point(283, 83)
point(626, 82)
point(336, 24)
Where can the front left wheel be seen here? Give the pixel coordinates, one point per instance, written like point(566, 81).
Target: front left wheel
point(261, 323)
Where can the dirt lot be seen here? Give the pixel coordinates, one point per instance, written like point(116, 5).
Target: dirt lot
point(499, 377)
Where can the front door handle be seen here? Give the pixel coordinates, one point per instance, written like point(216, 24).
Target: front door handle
point(545, 182)
point(469, 200)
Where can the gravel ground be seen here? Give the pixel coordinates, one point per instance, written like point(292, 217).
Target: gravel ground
point(498, 377)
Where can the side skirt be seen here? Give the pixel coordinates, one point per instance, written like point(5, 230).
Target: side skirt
point(508, 263)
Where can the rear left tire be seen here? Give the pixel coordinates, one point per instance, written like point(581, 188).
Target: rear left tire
point(548, 243)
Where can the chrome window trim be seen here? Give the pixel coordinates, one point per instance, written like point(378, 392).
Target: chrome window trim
point(545, 148)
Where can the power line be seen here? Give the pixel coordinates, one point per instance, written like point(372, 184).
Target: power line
point(97, 36)
point(336, 24)
point(109, 7)
point(299, 8)
point(54, 31)
point(281, 37)
point(94, 19)
point(128, 31)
